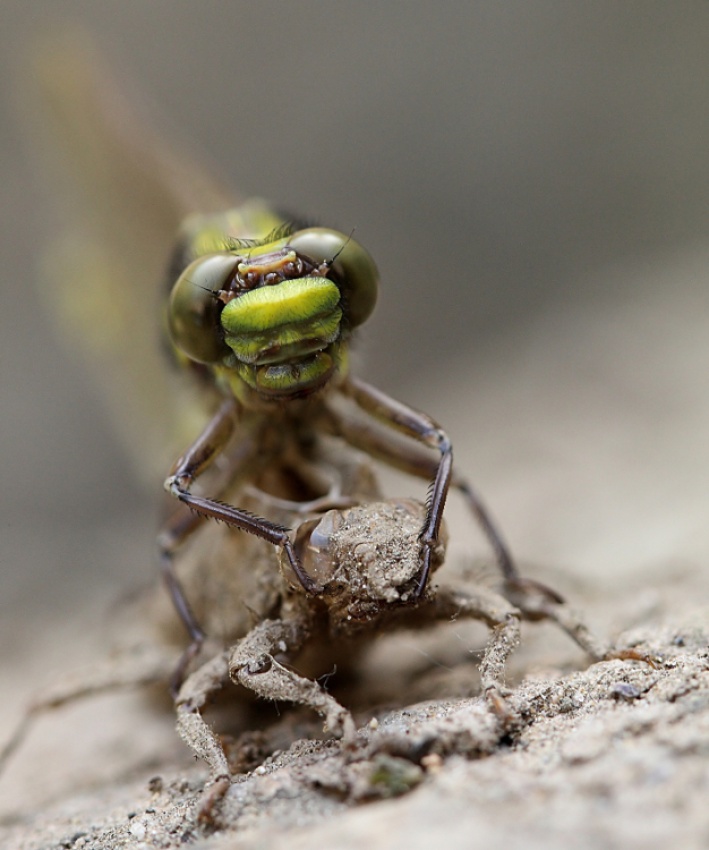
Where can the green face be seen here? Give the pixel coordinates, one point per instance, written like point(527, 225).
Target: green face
point(274, 317)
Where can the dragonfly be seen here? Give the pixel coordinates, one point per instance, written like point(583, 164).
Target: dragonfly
point(263, 313)
point(258, 311)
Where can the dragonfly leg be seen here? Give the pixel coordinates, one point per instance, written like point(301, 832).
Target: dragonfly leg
point(178, 528)
point(254, 666)
point(532, 599)
point(425, 430)
point(182, 524)
point(236, 518)
point(196, 459)
point(415, 460)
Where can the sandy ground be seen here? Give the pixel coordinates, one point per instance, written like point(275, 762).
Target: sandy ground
point(592, 431)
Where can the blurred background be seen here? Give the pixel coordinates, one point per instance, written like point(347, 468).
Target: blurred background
point(531, 178)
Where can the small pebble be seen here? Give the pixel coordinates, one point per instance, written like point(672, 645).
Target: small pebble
point(624, 690)
point(432, 763)
point(138, 830)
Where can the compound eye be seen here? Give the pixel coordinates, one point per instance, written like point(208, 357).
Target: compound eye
point(353, 268)
point(194, 309)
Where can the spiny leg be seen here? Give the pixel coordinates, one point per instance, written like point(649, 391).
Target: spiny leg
point(420, 427)
point(199, 457)
point(183, 523)
point(176, 530)
point(414, 460)
point(253, 665)
point(194, 510)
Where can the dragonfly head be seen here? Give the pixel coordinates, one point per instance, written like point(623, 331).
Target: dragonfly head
point(274, 317)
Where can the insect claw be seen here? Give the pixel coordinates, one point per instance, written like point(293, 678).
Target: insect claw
point(425, 572)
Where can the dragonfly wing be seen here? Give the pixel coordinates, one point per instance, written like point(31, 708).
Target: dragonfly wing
point(123, 194)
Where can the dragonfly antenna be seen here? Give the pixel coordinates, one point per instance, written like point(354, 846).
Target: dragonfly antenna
point(345, 244)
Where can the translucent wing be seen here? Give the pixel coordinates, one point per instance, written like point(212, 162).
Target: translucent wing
point(123, 195)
